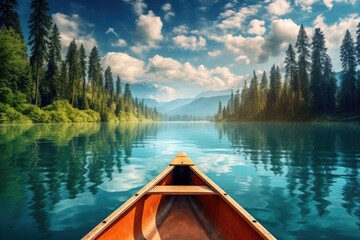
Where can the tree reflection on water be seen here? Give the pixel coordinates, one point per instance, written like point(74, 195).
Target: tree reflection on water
point(313, 158)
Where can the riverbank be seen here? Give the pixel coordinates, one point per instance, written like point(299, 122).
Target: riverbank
point(57, 112)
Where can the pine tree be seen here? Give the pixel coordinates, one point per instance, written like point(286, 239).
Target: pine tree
point(39, 25)
point(50, 87)
point(348, 84)
point(9, 18)
point(237, 102)
point(303, 50)
point(264, 89)
point(72, 60)
point(128, 98)
point(219, 112)
point(330, 86)
point(254, 95)
point(318, 57)
point(278, 86)
point(94, 73)
point(272, 95)
point(291, 77)
point(64, 81)
point(82, 61)
point(109, 85)
point(244, 106)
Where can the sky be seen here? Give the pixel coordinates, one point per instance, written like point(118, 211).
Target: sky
point(184, 47)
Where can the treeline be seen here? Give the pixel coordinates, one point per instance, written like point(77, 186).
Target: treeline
point(46, 77)
point(309, 89)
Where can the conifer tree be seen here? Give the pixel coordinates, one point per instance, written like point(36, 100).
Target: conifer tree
point(51, 84)
point(94, 73)
point(39, 25)
point(82, 61)
point(291, 77)
point(330, 86)
point(72, 59)
point(264, 89)
point(348, 63)
point(272, 95)
point(318, 57)
point(254, 94)
point(303, 50)
point(9, 18)
point(64, 81)
point(109, 85)
point(358, 45)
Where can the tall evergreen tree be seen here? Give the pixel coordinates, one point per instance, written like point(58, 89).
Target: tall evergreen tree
point(303, 50)
point(39, 25)
point(291, 77)
point(9, 18)
point(72, 59)
point(94, 73)
point(318, 57)
point(50, 87)
point(254, 94)
point(330, 86)
point(348, 63)
point(128, 98)
point(109, 85)
point(219, 112)
point(272, 95)
point(264, 89)
point(64, 81)
point(82, 61)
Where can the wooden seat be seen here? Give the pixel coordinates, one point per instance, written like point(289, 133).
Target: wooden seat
point(182, 190)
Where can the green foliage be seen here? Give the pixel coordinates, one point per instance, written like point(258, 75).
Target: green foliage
point(9, 115)
point(13, 62)
point(14, 99)
point(9, 18)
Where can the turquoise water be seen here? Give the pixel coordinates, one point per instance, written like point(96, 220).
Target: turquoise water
point(300, 180)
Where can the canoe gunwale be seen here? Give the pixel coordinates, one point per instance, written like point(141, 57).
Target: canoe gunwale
point(103, 225)
point(229, 200)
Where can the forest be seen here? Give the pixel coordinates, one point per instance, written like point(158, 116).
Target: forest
point(44, 87)
point(310, 89)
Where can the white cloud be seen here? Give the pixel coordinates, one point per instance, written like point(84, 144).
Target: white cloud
point(149, 30)
point(239, 45)
point(190, 43)
point(279, 7)
point(243, 59)
point(138, 5)
point(112, 30)
point(165, 93)
point(168, 13)
point(306, 5)
point(119, 43)
point(127, 67)
point(334, 33)
point(74, 27)
point(161, 69)
point(214, 53)
point(234, 20)
point(330, 3)
point(283, 32)
point(257, 27)
point(180, 29)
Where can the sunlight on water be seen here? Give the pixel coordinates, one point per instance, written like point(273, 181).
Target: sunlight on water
point(300, 180)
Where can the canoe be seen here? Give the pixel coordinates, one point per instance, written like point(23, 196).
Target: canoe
point(180, 203)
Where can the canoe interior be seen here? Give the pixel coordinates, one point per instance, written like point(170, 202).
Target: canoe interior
point(158, 216)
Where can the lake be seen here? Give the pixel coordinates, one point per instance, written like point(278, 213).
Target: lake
point(300, 180)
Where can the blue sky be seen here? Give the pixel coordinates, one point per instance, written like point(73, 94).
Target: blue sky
point(184, 47)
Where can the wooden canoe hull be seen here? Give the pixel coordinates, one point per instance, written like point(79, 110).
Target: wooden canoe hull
point(180, 203)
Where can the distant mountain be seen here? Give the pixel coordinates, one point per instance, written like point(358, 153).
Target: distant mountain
point(151, 102)
point(166, 107)
point(201, 106)
point(214, 93)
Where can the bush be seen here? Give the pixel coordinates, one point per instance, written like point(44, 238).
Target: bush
point(10, 115)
